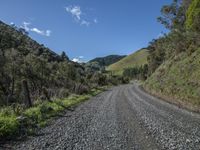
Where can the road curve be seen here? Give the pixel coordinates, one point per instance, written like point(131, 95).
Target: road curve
point(122, 118)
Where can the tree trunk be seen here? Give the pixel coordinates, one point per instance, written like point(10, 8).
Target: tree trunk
point(27, 99)
point(46, 94)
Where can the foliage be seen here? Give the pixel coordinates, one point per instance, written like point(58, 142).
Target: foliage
point(38, 115)
point(178, 40)
point(64, 56)
point(94, 67)
point(49, 77)
point(193, 16)
point(178, 78)
point(9, 126)
point(174, 14)
point(108, 60)
point(48, 74)
point(173, 61)
point(139, 73)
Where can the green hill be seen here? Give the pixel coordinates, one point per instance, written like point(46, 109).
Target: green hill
point(179, 79)
point(108, 60)
point(138, 58)
point(173, 62)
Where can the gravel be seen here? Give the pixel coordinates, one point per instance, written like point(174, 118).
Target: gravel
point(122, 118)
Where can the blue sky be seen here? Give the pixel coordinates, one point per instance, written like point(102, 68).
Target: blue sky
point(87, 28)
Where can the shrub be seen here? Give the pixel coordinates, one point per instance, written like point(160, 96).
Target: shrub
point(63, 93)
point(6, 111)
point(80, 89)
point(36, 116)
point(9, 126)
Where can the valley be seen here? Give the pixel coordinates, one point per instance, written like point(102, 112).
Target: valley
point(120, 81)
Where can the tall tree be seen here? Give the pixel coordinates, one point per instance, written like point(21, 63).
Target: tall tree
point(174, 15)
point(64, 57)
point(193, 16)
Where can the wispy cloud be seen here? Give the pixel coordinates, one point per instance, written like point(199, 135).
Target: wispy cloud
point(48, 32)
point(84, 22)
point(75, 11)
point(36, 30)
point(81, 57)
point(41, 32)
point(79, 15)
point(26, 26)
point(95, 21)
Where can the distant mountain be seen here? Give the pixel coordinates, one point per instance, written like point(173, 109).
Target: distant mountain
point(108, 60)
point(138, 58)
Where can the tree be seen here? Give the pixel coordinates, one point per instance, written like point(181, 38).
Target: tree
point(23, 31)
point(136, 72)
point(193, 16)
point(174, 15)
point(64, 57)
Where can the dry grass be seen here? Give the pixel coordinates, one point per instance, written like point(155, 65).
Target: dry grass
point(138, 58)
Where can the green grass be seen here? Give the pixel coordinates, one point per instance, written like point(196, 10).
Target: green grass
point(8, 125)
point(38, 115)
point(178, 78)
point(138, 58)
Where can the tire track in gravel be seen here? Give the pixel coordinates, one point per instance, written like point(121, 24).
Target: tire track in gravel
point(172, 127)
point(122, 118)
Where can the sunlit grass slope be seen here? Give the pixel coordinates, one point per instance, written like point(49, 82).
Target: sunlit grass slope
point(138, 58)
point(178, 78)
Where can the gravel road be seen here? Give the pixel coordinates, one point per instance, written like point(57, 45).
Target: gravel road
point(122, 118)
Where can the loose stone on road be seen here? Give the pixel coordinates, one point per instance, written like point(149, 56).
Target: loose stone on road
point(122, 118)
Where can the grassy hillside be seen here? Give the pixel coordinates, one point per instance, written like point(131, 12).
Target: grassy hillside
point(178, 79)
point(136, 59)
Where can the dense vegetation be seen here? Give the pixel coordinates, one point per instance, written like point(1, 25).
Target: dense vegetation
point(173, 62)
point(32, 77)
point(137, 72)
point(171, 66)
point(108, 60)
point(193, 16)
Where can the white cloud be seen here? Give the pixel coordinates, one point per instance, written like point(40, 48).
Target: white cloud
point(75, 11)
point(84, 22)
point(78, 59)
point(26, 26)
point(36, 30)
point(48, 32)
point(79, 15)
point(41, 32)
